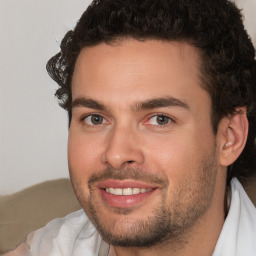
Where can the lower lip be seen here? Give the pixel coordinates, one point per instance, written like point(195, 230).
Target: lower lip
point(125, 201)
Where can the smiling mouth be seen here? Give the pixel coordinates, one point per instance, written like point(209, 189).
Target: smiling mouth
point(126, 191)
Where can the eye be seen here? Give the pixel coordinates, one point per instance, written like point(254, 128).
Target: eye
point(159, 120)
point(95, 119)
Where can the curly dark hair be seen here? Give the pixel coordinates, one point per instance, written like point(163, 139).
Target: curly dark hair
point(228, 69)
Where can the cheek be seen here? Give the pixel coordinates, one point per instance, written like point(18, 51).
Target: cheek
point(169, 152)
point(189, 167)
point(83, 156)
point(177, 155)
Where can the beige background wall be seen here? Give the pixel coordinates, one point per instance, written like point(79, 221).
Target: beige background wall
point(33, 129)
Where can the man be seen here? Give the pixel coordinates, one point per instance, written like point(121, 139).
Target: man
point(161, 103)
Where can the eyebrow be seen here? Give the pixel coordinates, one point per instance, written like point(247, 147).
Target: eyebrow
point(138, 106)
point(88, 103)
point(159, 103)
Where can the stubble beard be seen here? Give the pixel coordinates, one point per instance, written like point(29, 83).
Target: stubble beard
point(170, 222)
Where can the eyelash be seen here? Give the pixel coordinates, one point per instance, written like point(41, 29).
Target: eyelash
point(170, 121)
point(91, 115)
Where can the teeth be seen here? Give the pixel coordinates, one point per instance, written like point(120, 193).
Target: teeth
point(118, 191)
point(126, 191)
point(136, 191)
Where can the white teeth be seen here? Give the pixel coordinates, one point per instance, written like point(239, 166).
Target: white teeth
point(118, 191)
point(126, 191)
point(136, 191)
point(143, 190)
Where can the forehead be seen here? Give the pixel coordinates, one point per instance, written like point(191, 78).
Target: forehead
point(138, 70)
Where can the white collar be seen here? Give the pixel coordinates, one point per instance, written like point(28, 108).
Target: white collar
point(238, 235)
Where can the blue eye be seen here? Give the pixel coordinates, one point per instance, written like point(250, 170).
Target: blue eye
point(95, 119)
point(159, 120)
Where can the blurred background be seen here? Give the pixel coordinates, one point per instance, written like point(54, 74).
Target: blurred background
point(33, 128)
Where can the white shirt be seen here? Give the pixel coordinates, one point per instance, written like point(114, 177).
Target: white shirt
point(238, 235)
point(75, 235)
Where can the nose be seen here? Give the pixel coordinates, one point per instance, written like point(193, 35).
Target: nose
point(123, 149)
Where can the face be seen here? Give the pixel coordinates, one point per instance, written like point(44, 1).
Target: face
point(142, 152)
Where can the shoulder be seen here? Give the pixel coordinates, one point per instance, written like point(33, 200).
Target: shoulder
point(69, 226)
point(61, 237)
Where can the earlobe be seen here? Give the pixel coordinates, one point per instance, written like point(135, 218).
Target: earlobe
point(232, 135)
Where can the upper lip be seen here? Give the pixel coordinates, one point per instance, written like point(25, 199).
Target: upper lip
point(111, 183)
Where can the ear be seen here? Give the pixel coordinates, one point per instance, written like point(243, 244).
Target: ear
point(232, 136)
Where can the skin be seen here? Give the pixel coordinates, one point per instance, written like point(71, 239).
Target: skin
point(183, 154)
